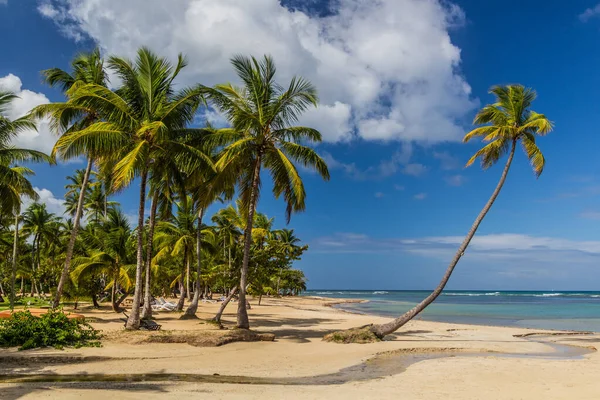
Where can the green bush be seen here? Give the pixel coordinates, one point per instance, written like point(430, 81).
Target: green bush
point(53, 329)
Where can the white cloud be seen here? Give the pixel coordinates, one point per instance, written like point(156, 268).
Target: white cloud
point(53, 204)
point(414, 169)
point(3, 2)
point(447, 161)
point(590, 13)
point(398, 187)
point(43, 139)
point(455, 180)
point(379, 195)
point(385, 70)
point(420, 196)
point(398, 162)
point(498, 246)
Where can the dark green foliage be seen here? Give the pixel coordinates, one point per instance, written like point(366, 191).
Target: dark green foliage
point(52, 329)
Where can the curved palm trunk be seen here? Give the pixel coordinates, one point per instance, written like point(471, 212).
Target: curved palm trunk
point(385, 329)
point(71, 245)
point(133, 322)
point(13, 273)
point(147, 311)
point(242, 312)
point(219, 314)
point(182, 293)
point(191, 310)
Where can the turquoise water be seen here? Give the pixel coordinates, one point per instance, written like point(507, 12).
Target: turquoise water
point(537, 309)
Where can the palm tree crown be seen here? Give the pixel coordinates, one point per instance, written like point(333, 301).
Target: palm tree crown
point(508, 121)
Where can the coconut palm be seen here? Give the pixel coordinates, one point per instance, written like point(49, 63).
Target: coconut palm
point(39, 223)
point(505, 123)
point(87, 68)
point(14, 185)
point(262, 115)
point(141, 120)
point(108, 252)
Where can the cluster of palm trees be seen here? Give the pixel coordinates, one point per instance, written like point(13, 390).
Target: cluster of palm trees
point(145, 131)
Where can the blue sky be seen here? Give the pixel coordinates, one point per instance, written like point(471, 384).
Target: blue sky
point(400, 81)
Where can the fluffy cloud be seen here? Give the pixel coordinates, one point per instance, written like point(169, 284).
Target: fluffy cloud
point(420, 196)
point(385, 70)
point(53, 204)
point(590, 13)
point(43, 139)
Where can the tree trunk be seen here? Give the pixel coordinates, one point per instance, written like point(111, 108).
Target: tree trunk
point(70, 247)
point(385, 329)
point(242, 313)
point(219, 314)
point(187, 282)
point(113, 293)
point(259, 298)
point(117, 305)
point(13, 274)
point(147, 311)
point(193, 308)
point(182, 293)
point(133, 322)
point(95, 300)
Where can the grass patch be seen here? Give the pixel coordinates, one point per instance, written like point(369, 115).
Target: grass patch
point(355, 335)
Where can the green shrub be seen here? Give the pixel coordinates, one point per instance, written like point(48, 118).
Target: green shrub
point(53, 329)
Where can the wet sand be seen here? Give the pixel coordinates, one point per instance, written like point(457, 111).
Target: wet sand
point(424, 360)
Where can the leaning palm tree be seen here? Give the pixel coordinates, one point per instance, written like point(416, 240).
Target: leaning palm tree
point(87, 68)
point(262, 115)
point(139, 123)
point(505, 123)
point(14, 184)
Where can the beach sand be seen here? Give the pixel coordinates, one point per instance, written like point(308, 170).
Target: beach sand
point(424, 360)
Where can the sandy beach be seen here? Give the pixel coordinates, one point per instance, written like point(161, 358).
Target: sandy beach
point(425, 360)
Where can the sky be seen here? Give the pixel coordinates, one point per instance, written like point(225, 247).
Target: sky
point(399, 83)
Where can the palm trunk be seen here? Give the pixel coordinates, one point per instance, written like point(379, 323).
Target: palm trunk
point(191, 310)
point(242, 312)
point(147, 311)
point(187, 282)
point(95, 300)
point(182, 292)
point(13, 274)
point(385, 329)
point(219, 314)
point(113, 293)
point(71, 245)
point(133, 322)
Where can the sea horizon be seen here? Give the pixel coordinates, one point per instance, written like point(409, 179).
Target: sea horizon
point(577, 310)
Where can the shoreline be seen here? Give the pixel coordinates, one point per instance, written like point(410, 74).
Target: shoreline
point(425, 360)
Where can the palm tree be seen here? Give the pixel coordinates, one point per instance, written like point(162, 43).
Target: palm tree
point(177, 239)
point(14, 184)
point(140, 122)
point(504, 124)
point(87, 68)
point(108, 253)
point(262, 135)
point(38, 222)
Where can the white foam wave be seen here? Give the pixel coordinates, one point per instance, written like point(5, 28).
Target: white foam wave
point(380, 292)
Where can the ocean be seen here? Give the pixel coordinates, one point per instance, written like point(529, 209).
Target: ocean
point(563, 310)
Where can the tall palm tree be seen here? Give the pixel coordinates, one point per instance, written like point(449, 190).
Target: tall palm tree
point(87, 68)
point(262, 115)
point(505, 123)
point(141, 120)
point(14, 184)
